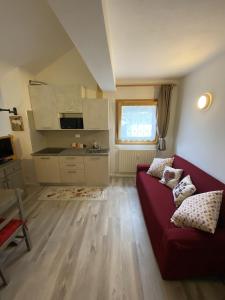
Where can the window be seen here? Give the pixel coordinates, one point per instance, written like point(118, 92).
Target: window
point(136, 121)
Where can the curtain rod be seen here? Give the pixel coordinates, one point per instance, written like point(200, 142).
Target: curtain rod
point(142, 84)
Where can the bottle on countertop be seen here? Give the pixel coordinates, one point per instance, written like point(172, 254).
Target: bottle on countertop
point(95, 145)
point(78, 145)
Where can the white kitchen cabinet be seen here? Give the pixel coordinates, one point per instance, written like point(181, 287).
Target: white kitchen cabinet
point(72, 176)
point(69, 98)
point(43, 102)
point(47, 169)
point(95, 114)
point(96, 170)
point(77, 170)
point(72, 169)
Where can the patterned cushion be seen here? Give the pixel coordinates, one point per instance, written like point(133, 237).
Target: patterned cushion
point(199, 211)
point(184, 189)
point(171, 176)
point(157, 166)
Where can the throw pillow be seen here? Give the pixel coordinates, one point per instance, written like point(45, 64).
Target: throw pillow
point(183, 189)
point(157, 166)
point(200, 211)
point(171, 176)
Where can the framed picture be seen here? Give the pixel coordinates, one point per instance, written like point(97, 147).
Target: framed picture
point(16, 123)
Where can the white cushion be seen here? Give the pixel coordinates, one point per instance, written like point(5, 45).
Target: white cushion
point(183, 189)
point(200, 211)
point(157, 166)
point(171, 176)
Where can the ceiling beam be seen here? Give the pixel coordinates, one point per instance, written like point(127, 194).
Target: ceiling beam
point(84, 22)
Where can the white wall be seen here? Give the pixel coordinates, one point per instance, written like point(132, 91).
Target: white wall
point(201, 134)
point(62, 138)
point(144, 92)
point(14, 93)
point(67, 70)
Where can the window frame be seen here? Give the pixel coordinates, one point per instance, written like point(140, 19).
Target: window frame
point(132, 102)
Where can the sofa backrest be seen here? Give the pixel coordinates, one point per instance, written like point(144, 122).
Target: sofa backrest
point(202, 181)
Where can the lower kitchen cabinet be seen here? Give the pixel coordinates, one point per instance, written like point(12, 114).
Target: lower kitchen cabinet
point(96, 170)
point(72, 169)
point(47, 169)
point(77, 170)
point(72, 176)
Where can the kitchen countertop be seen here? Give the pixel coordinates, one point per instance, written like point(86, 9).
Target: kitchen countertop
point(69, 152)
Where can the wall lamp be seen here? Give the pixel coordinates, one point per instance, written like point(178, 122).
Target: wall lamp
point(13, 111)
point(204, 101)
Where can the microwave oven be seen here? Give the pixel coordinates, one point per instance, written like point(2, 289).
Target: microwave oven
point(71, 121)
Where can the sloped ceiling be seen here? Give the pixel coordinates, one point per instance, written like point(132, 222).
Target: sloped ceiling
point(30, 35)
point(128, 39)
point(84, 22)
point(164, 38)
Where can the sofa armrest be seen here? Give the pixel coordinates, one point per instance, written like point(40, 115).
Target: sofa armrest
point(142, 167)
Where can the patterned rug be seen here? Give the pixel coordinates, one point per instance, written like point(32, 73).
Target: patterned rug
point(66, 193)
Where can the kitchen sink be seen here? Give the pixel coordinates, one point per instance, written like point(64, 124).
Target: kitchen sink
point(91, 150)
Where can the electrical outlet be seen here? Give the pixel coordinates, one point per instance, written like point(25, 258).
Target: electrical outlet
point(77, 135)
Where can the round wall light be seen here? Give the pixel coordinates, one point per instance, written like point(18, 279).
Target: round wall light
point(204, 101)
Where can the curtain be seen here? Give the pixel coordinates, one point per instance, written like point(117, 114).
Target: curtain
point(163, 114)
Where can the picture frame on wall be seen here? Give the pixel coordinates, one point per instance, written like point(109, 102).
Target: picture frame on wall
point(16, 123)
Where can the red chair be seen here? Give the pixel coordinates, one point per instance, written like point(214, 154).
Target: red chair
point(11, 227)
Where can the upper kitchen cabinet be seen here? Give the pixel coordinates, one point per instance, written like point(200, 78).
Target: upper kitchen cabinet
point(95, 114)
point(43, 102)
point(69, 98)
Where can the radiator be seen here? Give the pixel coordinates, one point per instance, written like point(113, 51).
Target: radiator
point(128, 159)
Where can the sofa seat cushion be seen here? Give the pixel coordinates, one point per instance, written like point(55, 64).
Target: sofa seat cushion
point(195, 241)
point(158, 199)
point(190, 252)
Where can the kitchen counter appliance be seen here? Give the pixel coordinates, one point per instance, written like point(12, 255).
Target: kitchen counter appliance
point(71, 121)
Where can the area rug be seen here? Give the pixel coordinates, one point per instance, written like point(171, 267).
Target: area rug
point(66, 193)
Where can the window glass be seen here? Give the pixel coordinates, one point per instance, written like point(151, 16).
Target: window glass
point(136, 123)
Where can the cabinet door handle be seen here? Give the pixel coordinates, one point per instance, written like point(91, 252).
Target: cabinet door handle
point(44, 157)
point(71, 165)
point(73, 172)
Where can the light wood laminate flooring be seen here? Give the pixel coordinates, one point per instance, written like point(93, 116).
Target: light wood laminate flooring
point(94, 250)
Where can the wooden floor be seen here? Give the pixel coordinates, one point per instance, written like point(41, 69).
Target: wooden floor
point(94, 250)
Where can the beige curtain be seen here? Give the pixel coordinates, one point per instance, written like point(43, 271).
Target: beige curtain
point(163, 114)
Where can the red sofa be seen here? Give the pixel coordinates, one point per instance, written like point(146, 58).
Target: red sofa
point(181, 252)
